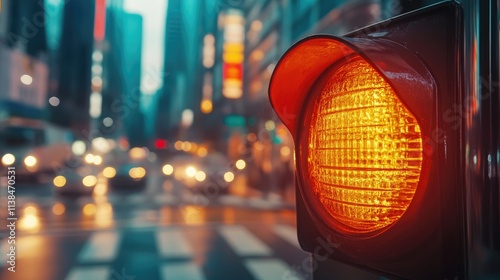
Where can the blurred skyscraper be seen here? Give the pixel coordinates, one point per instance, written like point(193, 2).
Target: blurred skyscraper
point(114, 108)
point(181, 82)
point(133, 118)
point(71, 52)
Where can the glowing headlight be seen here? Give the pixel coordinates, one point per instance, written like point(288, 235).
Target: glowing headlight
point(241, 164)
point(89, 181)
point(229, 176)
point(200, 176)
point(30, 161)
point(190, 171)
point(109, 172)
point(59, 181)
point(89, 158)
point(137, 172)
point(97, 160)
point(8, 159)
point(168, 169)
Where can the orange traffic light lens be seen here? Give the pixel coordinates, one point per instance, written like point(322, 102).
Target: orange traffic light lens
point(364, 149)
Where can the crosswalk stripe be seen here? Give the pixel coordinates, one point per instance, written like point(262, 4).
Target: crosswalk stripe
point(263, 269)
point(101, 246)
point(185, 271)
point(86, 273)
point(288, 233)
point(243, 242)
point(172, 243)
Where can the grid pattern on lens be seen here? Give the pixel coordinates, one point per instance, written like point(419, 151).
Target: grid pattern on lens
point(364, 150)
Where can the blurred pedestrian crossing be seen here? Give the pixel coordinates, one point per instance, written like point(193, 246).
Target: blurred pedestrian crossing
point(232, 252)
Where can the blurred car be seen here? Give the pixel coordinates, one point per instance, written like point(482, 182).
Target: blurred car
point(36, 150)
point(77, 181)
point(126, 176)
point(211, 173)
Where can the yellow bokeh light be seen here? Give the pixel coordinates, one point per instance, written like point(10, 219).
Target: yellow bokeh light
point(186, 146)
point(137, 172)
point(97, 160)
point(138, 153)
point(58, 209)
point(190, 171)
point(109, 172)
point(270, 125)
point(89, 158)
point(89, 181)
point(8, 159)
point(30, 161)
point(206, 106)
point(285, 151)
point(168, 169)
point(202, 152)
point(241, 164)
point(178, 145)
point(200, 176)
point(229, 176)
point(89, 209)
point(364, 153)
point(59, 181)
point(29, 222)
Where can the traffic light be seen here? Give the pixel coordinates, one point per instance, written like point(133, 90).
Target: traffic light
point(377, 150)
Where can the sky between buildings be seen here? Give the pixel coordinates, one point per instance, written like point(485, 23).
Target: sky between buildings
point(153, 12)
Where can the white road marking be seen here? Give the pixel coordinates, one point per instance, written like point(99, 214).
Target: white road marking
point(185, 271)
point(101, 246)
point(288, 233)
point(264, 269)
point(173, 244)
point(243, 242)
point(86, 273)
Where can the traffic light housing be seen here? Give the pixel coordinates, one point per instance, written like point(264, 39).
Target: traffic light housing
point(377, 147)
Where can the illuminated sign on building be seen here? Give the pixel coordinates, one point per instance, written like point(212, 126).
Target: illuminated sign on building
point(100, 20)
point(233, 54)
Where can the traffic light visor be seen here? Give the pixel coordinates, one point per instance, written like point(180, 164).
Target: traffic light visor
point(303, 64)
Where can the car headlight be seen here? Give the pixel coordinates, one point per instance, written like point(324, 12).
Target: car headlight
point(8, 159)
point(229, 176)
point(59, 181)
point(89, 158)
point(30, 161)
point(97, 160)
point(168, 169)
point(137, 172)
point(109, 172)
point(89, 181)
point(200, 176)
point(191, 171)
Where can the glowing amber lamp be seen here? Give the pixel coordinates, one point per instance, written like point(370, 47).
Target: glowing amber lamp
point(364, 149)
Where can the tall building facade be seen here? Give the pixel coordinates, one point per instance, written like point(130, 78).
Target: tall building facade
point(24, 63)
point(133, 118)
point(71, 58)
point(112, 85)
point(181, 83)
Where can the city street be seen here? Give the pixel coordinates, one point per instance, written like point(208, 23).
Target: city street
point(151, 234)
point(167, 231)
